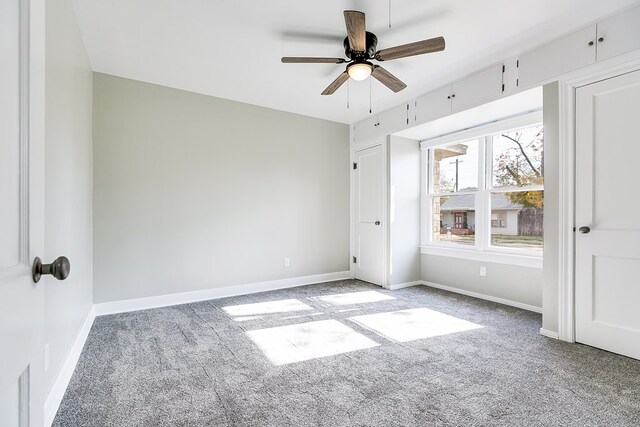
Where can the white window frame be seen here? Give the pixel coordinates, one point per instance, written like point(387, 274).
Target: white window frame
point(482, 250)
point(427, 154)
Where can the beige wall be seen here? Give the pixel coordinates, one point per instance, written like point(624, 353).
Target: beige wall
point(193, 192)
point(69, 174)
point(510, 282)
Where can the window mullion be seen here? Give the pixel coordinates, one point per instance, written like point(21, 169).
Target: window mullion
point(488, 163)
point(481, 217)
point(425, 198)
point(517, 189)
point(488, 188)
point(430, 171)
point(428, 228)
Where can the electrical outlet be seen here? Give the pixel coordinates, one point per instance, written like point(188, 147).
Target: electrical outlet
point(46, 357)
point(287, 262)
point(483, 271)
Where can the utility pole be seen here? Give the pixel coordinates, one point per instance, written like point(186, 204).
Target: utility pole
point(457, 162)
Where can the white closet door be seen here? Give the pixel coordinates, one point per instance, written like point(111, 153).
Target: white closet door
point(608, 215)
point(368, 215)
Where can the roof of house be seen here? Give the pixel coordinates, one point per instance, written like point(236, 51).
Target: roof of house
point(464, 202)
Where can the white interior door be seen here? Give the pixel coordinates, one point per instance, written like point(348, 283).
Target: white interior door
point(368, 215)
point(21, 212)
point(608, 215)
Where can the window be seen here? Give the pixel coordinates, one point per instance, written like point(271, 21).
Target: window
point(454, 185)
point(486, 193)
point(516, 182)
point(499, 219)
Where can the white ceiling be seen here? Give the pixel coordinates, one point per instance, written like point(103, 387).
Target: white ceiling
point(232, 48)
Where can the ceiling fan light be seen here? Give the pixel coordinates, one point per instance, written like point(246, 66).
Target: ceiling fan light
point(359, 71)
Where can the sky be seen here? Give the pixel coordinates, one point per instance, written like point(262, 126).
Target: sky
point(468, 163)
point(467, 167)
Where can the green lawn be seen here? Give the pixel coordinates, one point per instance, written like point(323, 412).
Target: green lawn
point(517, 241)
point(469, 239)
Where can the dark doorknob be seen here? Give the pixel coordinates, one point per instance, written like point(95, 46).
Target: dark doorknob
point(59, 268)
point(377, 223)
point(584, 230)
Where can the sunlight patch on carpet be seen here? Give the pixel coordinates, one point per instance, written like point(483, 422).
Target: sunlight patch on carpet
point(306, 341)
point(414, 324)
point(353, 298)
point(269, 307)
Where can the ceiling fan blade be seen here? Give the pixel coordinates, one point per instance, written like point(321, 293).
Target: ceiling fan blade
point(339, 81)
point(310, 60)
point(417, 48)
point(356, 30)
point(387, 79)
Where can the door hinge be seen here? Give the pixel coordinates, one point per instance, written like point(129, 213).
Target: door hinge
point(355, 166)
point(518, 63)
point(355, 260)
point(503, 87)
point(503, 68)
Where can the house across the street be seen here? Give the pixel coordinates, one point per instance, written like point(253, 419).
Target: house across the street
point(458, 215)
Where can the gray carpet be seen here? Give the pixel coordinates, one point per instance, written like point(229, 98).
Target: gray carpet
point(219, 363)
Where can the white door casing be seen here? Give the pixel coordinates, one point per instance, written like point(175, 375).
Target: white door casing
point(608, 256)
point(21, 211)
point(368, 215)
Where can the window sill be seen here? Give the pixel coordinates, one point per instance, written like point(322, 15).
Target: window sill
point(530, 261)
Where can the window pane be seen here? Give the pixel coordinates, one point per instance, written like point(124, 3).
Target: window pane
point(454, 219)
point(517, 158)
point(455, 167)
point(516, 219)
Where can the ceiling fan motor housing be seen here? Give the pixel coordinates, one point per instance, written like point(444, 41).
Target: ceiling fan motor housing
point(369, 53)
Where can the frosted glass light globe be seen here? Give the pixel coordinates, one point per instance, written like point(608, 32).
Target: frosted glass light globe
point(359, 71)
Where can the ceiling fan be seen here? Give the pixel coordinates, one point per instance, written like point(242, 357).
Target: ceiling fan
point(360, 47)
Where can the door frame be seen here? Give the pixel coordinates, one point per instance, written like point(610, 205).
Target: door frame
point(567, 86)
point(384, 142)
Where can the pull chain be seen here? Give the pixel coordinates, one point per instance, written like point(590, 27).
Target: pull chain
point(348, 92)
point(369, 94)
point(389, 13)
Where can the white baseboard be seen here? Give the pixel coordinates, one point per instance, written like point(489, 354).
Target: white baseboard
point(484, 297)
point(64, 376)
point(214, 293)
point(405, 285)
point(549, 334)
